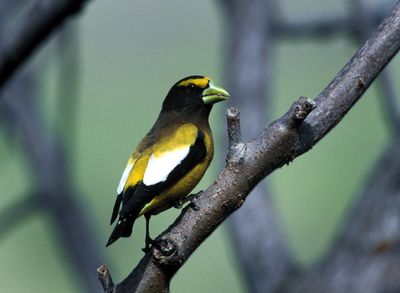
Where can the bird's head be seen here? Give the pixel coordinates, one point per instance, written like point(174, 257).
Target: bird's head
point(193, 94)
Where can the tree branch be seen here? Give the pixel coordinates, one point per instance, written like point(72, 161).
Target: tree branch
point(364, 26)
point(105, 279)
point(352, 81)
point(278, 144)
point(38, 23)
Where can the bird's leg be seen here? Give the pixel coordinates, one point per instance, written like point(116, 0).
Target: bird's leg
point(192, 198)
point(148, 240)
point(179, 203)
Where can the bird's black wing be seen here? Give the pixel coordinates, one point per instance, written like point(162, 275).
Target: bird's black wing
point(144, 194)
point(134, 199)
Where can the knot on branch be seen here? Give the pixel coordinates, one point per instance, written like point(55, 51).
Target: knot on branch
point(166, 253)
point(360, 83)
point(300, 110)
point(281, 138)
point(236, 148)
point(234, 203)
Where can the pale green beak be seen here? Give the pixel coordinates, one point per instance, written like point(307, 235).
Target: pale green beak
point(214, 94)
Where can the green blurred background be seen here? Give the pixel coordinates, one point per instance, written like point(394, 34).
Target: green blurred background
point(131, 52)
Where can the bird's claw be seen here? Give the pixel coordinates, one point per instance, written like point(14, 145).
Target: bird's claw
point(178, 204)
point(148, 245)
point(193, 198)
point(146, 249)
point(190, 198)
point(193, 204)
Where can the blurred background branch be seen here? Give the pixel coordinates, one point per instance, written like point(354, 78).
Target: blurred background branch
point(54, 191)
point(24, 207)
point(366, 256)
point(39, 22)
point(68, 83)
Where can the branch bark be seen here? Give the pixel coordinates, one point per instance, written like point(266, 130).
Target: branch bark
point(278, 144)
point(364, 26)
point(39, 22)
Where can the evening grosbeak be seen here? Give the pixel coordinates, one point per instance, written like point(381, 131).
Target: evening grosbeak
point(171, 159)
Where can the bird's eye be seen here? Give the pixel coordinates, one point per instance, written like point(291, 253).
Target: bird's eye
point(191, 85)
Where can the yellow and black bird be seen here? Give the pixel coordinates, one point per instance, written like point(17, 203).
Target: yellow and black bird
point(171, 159)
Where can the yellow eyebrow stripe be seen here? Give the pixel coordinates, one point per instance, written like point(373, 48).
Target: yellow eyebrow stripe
point(200, 82)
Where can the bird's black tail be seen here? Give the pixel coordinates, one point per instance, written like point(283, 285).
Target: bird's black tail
point(122, 229)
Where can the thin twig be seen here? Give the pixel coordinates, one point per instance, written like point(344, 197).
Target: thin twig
point(105, 279)
point(233, 118)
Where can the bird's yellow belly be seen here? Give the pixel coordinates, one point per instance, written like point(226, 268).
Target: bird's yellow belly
point(176, 192)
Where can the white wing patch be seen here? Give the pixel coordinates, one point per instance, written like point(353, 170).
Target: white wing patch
point(125, 176)
point(159, 167)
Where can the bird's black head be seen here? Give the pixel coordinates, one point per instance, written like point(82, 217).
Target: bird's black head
point(192, 95)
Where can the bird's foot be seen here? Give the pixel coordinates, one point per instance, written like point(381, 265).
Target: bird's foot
point(193, 198)
point(190, 198)
point(193, 201)
point(179, 204)
point(146, 249)
point(148, 244)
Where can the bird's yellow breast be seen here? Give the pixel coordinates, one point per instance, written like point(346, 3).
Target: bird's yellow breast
point(182, 187)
